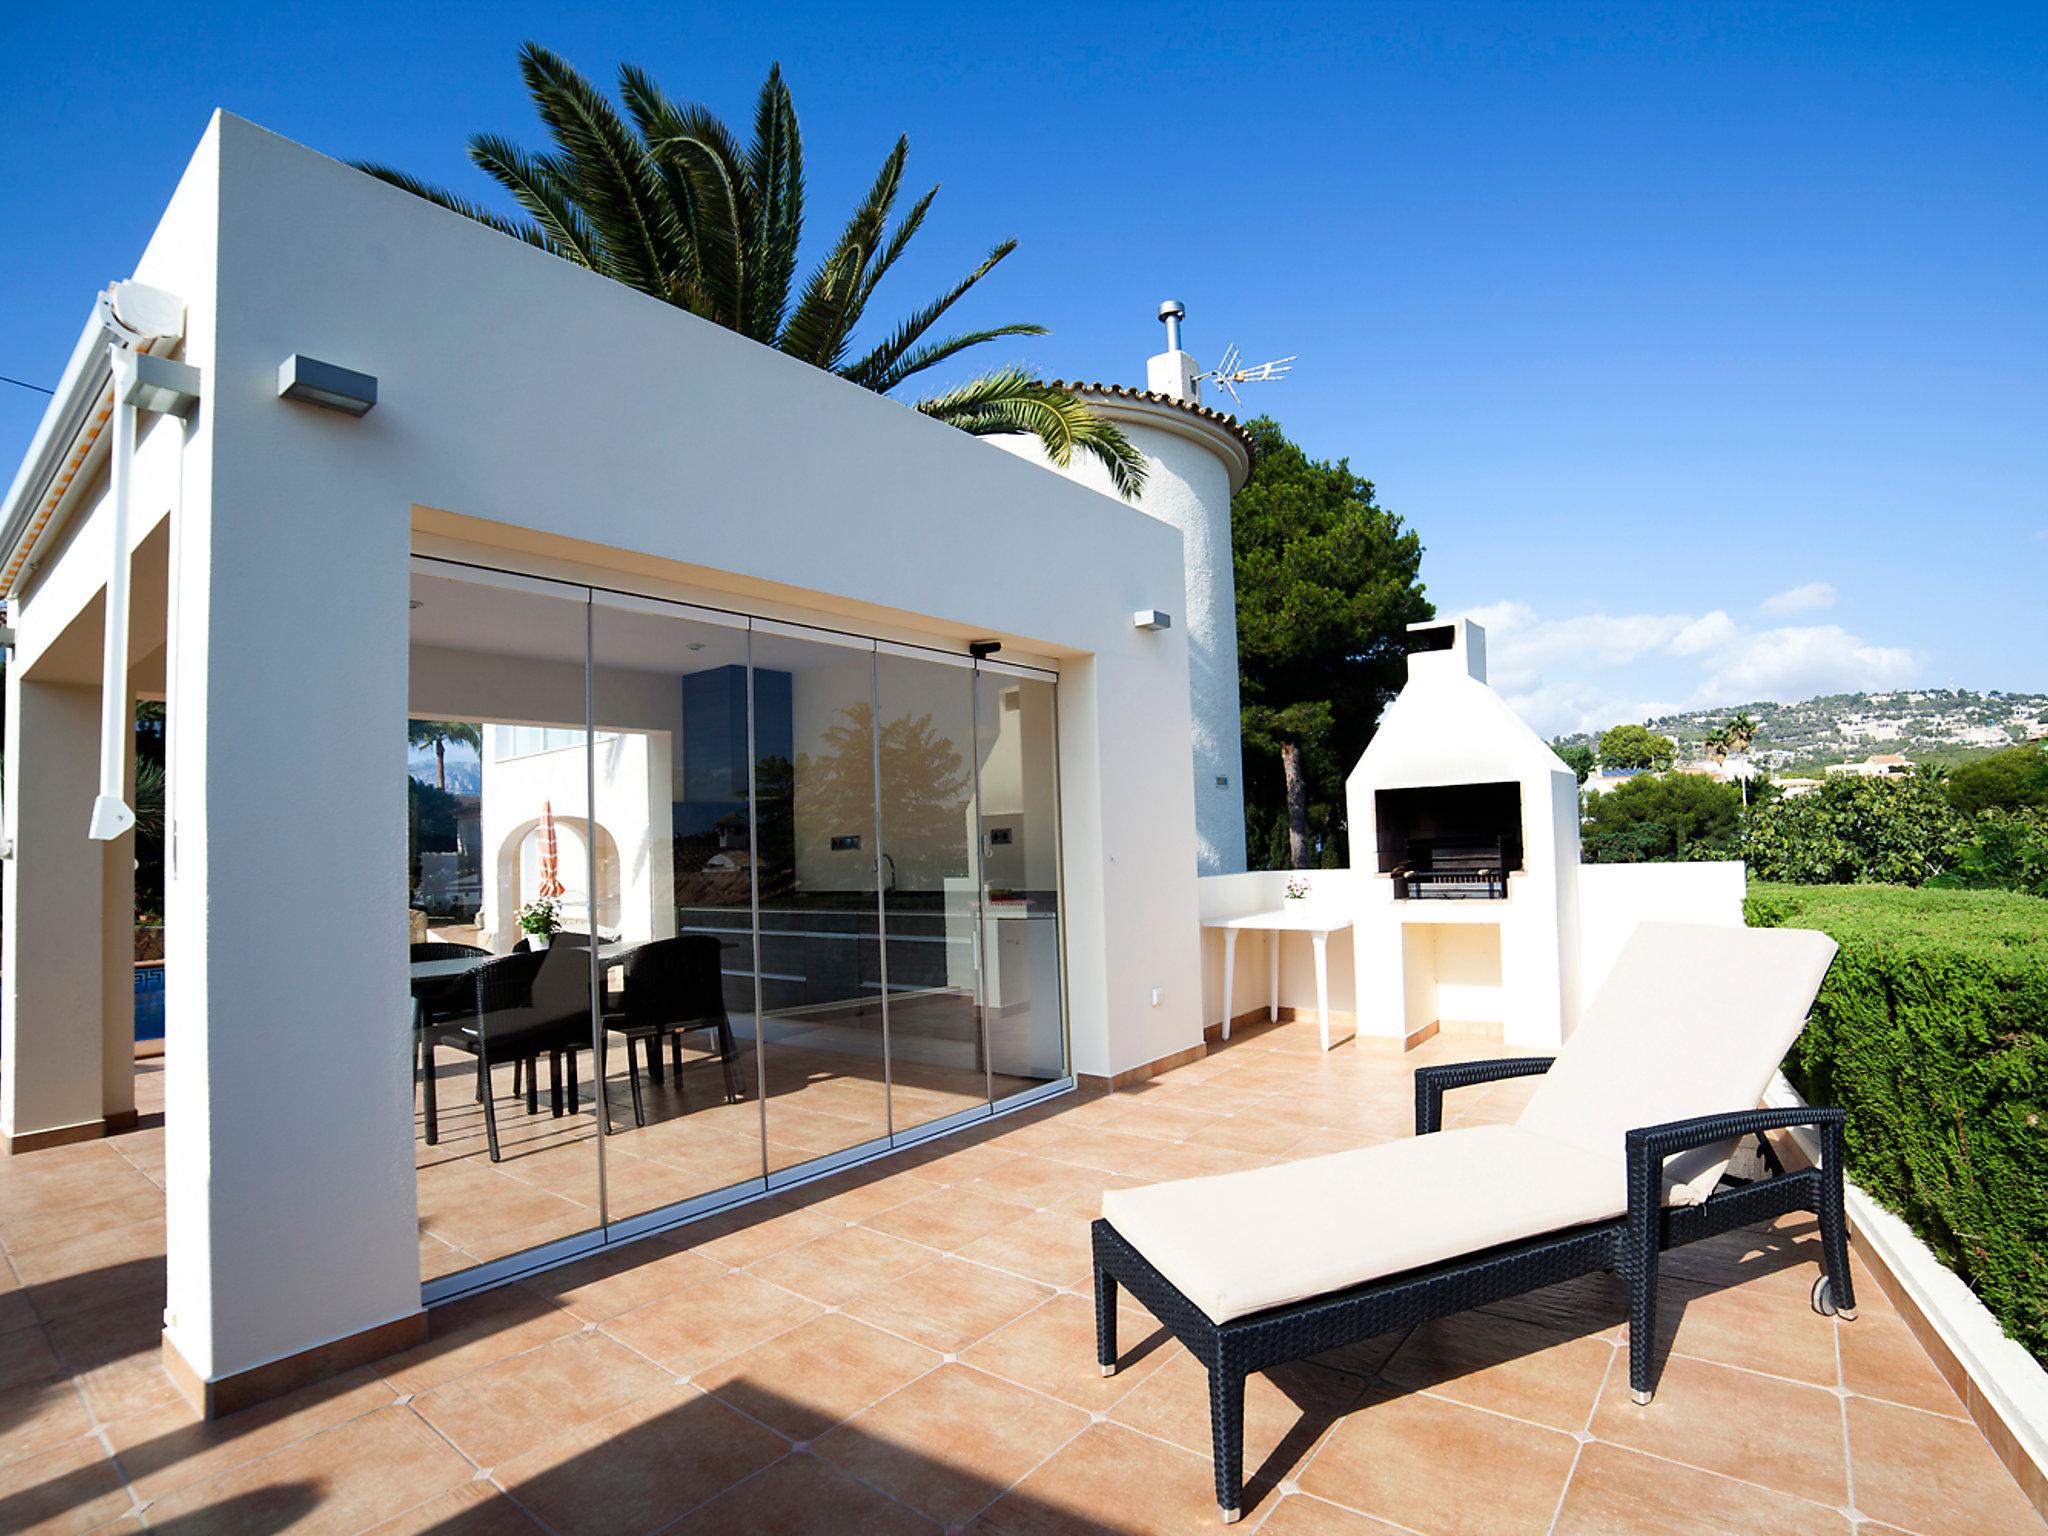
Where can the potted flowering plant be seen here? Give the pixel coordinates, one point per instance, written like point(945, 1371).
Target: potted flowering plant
point(1297, 887)
point(540, 920)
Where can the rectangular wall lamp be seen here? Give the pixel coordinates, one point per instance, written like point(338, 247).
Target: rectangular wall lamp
point(161, 385)
point(309, 380)
point(1152, 618)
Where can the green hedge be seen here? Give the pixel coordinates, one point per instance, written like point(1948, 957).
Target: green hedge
point(1932, 1031)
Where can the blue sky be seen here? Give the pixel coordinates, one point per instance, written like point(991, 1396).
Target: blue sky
point(1705, 346)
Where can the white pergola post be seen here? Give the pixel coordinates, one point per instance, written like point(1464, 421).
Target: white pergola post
point(292, 1208)
point(68, 952)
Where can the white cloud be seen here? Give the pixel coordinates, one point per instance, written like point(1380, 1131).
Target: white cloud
point(1801, 661)
point(1589, 671)
point(1805, 598)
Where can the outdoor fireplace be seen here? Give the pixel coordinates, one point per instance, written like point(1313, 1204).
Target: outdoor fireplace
point(1450, 842)
point(1465, 831)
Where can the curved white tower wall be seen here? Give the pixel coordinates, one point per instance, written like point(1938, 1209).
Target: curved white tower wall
point(1196, 458)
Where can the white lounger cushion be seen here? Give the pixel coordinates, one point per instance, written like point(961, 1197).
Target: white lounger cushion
point(1237, 1243)
point(1693, 1020)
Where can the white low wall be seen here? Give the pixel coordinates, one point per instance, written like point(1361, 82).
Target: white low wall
point(1265, 890)
point(1613, 898)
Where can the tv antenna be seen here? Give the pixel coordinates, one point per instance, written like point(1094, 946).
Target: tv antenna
point(1233, 371)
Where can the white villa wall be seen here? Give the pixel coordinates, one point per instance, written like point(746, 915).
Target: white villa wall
point(562, 425)
point(1187, 487)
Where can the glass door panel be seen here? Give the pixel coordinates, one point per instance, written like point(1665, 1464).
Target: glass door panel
point(674, 831)
point(1017, 761)
point(930, 888)
point(499, 832)
point(824, 1063)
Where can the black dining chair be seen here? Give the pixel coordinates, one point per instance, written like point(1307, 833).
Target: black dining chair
point(435, 1000)
point(672, 986)
point(515, 1008)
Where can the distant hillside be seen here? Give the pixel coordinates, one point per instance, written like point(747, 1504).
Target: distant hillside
point(1926, 724)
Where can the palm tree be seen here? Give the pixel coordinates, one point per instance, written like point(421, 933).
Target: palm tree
point(1740, 732)
point(438, 734)
point(669, 203)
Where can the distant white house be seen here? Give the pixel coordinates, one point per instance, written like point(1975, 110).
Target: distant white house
point(1880, 765)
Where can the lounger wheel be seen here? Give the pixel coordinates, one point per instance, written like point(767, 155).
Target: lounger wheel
point(1824, 1301)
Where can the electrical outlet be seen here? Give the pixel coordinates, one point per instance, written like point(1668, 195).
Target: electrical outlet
point(1158, 996)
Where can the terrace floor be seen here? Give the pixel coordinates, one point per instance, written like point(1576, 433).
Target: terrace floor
point(908, 1347)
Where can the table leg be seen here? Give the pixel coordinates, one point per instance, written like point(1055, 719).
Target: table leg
point(1229, 974)
point(1273, 975)
point(1323, 984)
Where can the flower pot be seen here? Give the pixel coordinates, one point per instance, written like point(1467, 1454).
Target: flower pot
point(538, 941)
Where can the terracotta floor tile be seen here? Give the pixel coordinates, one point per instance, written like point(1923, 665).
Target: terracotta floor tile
point(1111, 1151)
point(751, 1232)
point(1510, 1367)
point(947, 1219)
point(73, 1487)
point(1881, 1358)
point(345, 1480)
point(115, 1353)
point(622, 1278)
point(803, 1496)
point(1286, 1412)
point(1756, 1428)
point(706, 1323)
point(134, 1200)
point(640, 1467)
point(809, 1379)
point(948, 1304)
point(39, 1414)
point(570, 1221)
point(1592, 1306)
point(1052, 1350)
point(1165, 1119)
point(1616, 1492)
point(1759, 1330)
point(171, 1448)
point(1110, 1480)
point(954, 1160)
point(842, 1264)
point(508, 1408)
point(1932, 1475)
point(951, 1441)
point(1419, 1461)
point(857, 1194)
point(83, 1273)
point(1050, 1247)
point(1300, 1515)
point(466, 1335)
point(1039, 1182)
point(471, 1509)
point(27, 1355)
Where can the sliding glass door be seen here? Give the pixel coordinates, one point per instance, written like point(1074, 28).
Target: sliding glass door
point(705, 904)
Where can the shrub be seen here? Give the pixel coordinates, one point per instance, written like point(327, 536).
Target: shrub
point(1932, 1031)
point(2001, 850)
point(1660, 817)
point(1892, 831)
point(2013, 780)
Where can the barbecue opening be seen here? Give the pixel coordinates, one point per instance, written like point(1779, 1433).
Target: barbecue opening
point(1450, 842)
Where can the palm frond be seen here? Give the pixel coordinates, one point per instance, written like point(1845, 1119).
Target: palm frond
point(700, 165)
point(933, 353)
point(621, 194)
point(537, 185)
point(830, 306)
point(775, 177)
point(907, 334)
point(1013, 400)
point(519, 230)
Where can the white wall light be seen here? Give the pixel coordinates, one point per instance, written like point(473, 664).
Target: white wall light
point(1152, 618)
point(169, 388)
point(309, 380)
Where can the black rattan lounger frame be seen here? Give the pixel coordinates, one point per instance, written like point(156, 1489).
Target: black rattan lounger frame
point(1628, 1245)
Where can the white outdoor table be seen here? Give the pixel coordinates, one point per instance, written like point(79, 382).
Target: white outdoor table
point(1317, 924)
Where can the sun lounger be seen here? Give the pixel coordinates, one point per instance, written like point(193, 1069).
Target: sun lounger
point(1620, 1154)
